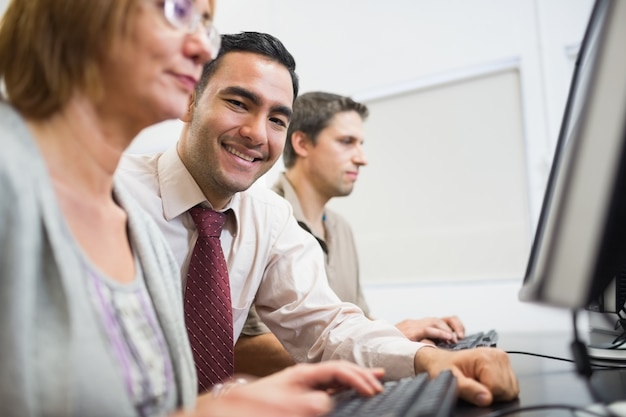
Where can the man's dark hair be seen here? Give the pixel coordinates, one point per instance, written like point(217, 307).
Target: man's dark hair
point(312, 113)
point(254, 42)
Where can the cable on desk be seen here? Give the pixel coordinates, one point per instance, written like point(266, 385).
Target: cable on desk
point(556, 358)
point(539, 355)
point(566, 407)
point(583, 367)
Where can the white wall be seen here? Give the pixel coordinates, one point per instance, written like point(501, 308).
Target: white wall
point(482, 305)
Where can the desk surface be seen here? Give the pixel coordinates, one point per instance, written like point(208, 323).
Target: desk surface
point(547, 381)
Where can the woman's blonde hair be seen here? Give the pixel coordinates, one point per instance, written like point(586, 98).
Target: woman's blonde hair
point(49, 49)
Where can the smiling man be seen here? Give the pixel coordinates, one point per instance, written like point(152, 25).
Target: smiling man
point(234, 132)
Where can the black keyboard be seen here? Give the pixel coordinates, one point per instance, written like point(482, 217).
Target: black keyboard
point(409, 397)
point(489, 339)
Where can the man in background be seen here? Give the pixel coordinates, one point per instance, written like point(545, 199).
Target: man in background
point(322, 157)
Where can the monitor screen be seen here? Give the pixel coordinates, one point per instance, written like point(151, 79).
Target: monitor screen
point(580, 240)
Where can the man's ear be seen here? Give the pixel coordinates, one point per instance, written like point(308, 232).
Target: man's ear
point(187, 116)
point(300, 142)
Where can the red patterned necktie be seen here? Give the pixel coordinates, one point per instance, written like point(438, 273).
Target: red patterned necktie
point(208, 308)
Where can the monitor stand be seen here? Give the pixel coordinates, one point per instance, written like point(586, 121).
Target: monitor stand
point(601, 344)
point(608, 383)
point(601, 348)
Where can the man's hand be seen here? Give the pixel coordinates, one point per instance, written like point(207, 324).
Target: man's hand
point(484, 374)
point(428, 330)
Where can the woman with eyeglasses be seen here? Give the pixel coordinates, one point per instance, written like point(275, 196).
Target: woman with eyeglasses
point(91, 317)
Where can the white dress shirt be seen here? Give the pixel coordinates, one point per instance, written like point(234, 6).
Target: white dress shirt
point(272, 258)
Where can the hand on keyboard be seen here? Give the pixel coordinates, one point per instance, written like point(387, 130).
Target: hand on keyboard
point(488, 339)
point(408, 397)
point(432, 328)
point(297, 391)
point(484, 374)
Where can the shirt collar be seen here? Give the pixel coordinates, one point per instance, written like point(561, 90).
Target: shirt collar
point(284, 187)
point(179, 191)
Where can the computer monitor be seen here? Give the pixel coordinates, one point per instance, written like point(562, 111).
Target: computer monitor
point(579, 246)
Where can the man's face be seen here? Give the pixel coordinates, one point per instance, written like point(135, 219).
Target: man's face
point(239, 124)
point(333, 162)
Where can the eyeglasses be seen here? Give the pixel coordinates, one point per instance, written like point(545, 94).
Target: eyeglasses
point(182, 14)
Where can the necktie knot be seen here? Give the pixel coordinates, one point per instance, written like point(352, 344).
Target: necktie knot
point(209, 222)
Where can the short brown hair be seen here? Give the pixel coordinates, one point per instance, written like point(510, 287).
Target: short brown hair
point(312, 113)
point(49, 49)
